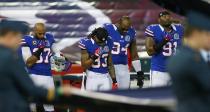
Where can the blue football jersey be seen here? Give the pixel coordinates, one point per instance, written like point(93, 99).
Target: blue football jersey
point(119, 43)
point(100, 64)
point(42, 66)
point(157, 32)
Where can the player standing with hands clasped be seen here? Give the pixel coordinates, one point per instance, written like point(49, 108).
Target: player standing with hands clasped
point(121, 38)
point(161, 42)
point(96, 60)
point(36, 51)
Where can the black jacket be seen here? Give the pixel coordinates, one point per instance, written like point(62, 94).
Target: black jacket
point(16, 88)
point(190, 76)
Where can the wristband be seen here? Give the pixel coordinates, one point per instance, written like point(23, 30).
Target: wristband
point(114, 80)
point(93, 57)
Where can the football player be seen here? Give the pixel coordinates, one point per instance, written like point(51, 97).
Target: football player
point(36, 52)
point(96, 60)
point(161, 42)
point(122, 36)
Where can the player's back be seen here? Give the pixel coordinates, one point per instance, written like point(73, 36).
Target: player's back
point(119, 43)
point(42, 66)
point(100, 64)
point(157, 32)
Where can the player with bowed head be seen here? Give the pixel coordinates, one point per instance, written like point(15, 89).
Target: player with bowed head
point(36, 50)
point(122, 36)
point(96, 60)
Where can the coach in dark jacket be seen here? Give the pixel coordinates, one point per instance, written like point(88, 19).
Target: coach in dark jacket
point(16, 88)
point(189, 72)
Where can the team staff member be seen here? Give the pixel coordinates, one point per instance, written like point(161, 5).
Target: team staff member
point(122, 36)
point(189, 71)
point(16, 88)
point(96, 60)
point(161, 42)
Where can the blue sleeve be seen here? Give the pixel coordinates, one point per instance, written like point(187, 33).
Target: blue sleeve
point(109, 42)
point(133, 33)
point(26, 40)
point(181, 30)
point(149, 31)
point(181, 33)
point(82, 44)
point(105, 26)
point(50, 37)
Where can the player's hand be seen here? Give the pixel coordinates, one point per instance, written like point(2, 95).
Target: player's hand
point(114, 84)
point(140, 79)
point(65, 90)
point(96, 54)
point(41, 46)
point(160, 45)
point(167, 38)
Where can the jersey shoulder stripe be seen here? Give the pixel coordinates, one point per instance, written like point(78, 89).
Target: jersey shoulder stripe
point(151, 29)
point(83, 43)
point(26, 40)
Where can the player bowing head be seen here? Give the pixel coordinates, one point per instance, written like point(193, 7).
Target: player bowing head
point(39, 30)
point(122, 36)
point(36, 51)
point(96, 60)
point(123, 25)
point(100, 36)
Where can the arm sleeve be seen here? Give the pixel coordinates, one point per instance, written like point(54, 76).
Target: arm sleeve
point(25, 41)
point(182, 31)
point(26, 53)
point(149, 32)
point(82, 44)
point(50, 37)
point(23, 81)
point(25, 48)
point(133, 34)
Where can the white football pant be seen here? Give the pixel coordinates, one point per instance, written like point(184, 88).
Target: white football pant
point(98, 81)
point(122, 76)
point(158, 79)
point(45, 82)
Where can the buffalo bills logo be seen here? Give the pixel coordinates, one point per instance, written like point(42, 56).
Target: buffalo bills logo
point(34, 42)
point(176, 36)
point(127, 38)
point(106, 49)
